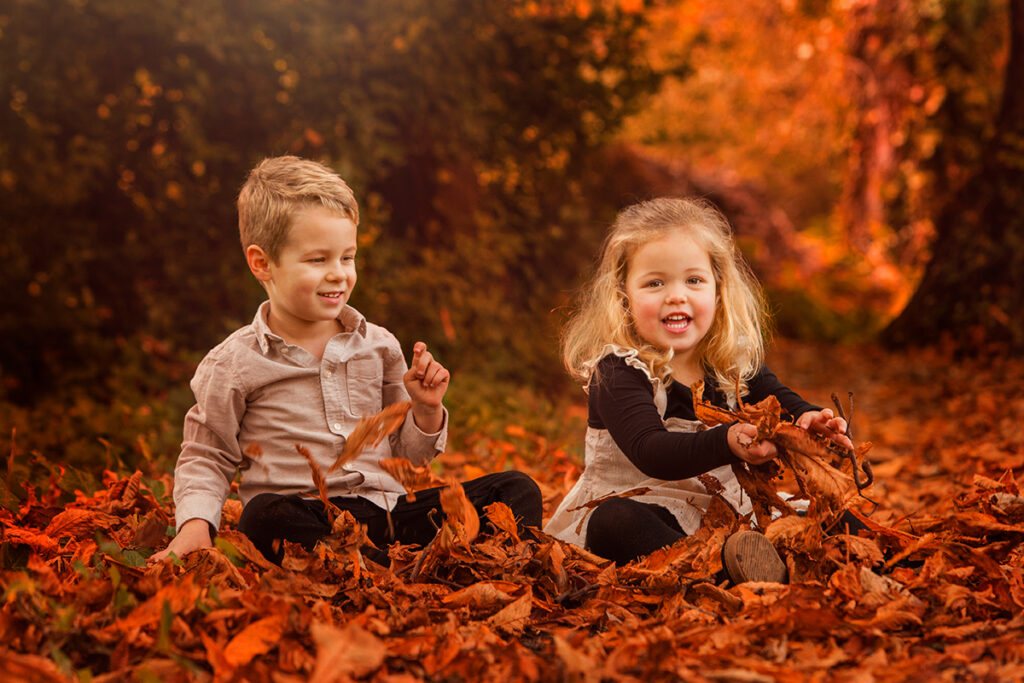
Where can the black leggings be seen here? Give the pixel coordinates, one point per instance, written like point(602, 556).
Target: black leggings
point(622, 529)
point(269, 518)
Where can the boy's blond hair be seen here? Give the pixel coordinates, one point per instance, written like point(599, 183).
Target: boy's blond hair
point(277, 188)
point(733, 348)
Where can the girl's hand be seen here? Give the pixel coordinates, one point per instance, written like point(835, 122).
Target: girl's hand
point(825, 422)
point(426, 381)
point(743, 446)
point(194, 534)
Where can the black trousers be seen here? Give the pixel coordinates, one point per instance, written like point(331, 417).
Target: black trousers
point(269, 518)
point(623, 529)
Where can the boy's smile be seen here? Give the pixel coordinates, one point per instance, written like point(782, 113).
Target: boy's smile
point(312, 278)
point(671, 290)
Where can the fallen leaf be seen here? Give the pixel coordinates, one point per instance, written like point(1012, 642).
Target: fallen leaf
point(371, 431)
point(344, 652)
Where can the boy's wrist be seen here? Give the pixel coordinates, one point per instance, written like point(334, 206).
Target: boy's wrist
point(428, 419)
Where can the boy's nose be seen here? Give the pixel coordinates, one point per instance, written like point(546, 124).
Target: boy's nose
point(337, 272)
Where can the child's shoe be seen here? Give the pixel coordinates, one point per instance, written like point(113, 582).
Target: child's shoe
point(749, 556)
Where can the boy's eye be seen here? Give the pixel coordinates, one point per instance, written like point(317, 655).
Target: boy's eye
point(317, 259)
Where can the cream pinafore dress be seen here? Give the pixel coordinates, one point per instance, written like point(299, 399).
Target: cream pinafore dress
point(607, 471)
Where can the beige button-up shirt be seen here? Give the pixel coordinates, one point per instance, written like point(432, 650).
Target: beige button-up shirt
point(257, 397)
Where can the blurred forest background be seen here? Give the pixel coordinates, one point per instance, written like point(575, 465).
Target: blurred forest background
point(490, 144)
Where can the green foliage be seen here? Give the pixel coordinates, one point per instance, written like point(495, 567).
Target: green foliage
point(459, 124)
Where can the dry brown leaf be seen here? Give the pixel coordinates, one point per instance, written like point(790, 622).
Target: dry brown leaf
point(344, 652)
point(179, 596)
point(482, 595)
point(500, 515)
point(320, 482)
point(80, 523)
point(577, 664)
point(151, 530)
point(40, 542)
point(831, 488)
point(29, 668)
point(412, 478)
point(462, 523)
point(513, 617)
point(794, 530)
point(371, 431)
point(639, 491)
point(256, 639)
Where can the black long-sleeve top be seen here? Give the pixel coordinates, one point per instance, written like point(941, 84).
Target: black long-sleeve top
point(621, 400)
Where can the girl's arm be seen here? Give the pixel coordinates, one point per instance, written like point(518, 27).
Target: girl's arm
point(808, 416)
point(622, 401)
point(765, 384)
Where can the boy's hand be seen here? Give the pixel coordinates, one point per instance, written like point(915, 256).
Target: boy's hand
point(426, 381)
point(743, 446)
point(194, 534)
point(825, 422)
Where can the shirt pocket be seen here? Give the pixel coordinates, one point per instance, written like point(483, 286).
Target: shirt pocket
point(364, 386)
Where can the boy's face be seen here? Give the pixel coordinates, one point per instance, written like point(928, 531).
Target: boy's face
point(314, 275)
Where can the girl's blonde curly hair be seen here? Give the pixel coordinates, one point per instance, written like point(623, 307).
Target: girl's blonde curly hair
point(733, 348)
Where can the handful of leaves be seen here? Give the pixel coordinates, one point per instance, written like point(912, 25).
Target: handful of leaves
point(817, 462)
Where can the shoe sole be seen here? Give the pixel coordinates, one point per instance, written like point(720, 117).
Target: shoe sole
point(749, 556)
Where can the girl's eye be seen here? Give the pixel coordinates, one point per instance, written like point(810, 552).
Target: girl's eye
point(654, 283)
point(696, 280)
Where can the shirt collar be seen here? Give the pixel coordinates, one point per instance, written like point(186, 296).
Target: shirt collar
point(350, 319)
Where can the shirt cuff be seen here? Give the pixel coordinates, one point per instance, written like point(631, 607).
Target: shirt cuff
point(419, 446)
point(198, 506)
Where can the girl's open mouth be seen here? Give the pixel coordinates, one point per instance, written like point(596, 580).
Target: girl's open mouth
point(677, 322)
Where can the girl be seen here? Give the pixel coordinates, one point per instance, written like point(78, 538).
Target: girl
point(672, 302)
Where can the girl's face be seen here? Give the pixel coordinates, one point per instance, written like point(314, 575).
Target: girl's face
point(671, 289)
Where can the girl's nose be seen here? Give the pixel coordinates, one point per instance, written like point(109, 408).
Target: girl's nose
point(675, 295)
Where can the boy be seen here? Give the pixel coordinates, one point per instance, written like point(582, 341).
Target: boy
point(304, 372)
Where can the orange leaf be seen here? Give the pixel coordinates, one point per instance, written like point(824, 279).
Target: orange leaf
point(255, 639)
point(500, 515)
point(181, 595)
point(482, 594)
point(41, 543)
point(513, 617)
point(29, 667)
point(372, 429)
point(462, 523)
point(348, 651)
point(408, 475)
point(321, 483)
point(80, 523)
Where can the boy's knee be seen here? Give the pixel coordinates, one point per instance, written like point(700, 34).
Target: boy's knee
point(527, 497)
point(522, 483)
point(516, 490)
point(258, 511)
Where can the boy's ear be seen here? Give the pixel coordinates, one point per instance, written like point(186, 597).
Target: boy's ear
point(259, 262)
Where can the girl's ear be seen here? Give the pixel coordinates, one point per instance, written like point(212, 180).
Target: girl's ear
point(259, 262)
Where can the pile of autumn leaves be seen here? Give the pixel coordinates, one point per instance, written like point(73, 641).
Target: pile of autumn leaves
point(934, 590)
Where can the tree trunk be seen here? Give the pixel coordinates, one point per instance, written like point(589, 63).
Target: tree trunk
point(972, 291)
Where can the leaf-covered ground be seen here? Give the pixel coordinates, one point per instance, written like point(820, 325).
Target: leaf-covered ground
point(935, 591)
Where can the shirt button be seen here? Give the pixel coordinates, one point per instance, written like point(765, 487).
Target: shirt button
point(328, 373)
point(337, 427)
